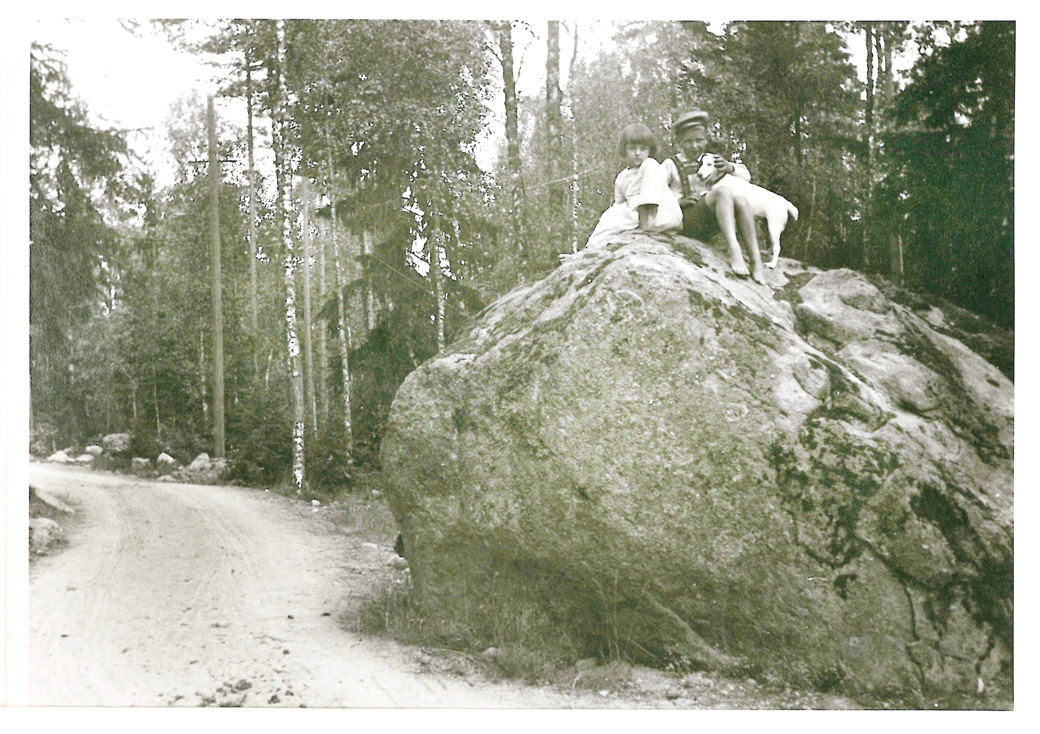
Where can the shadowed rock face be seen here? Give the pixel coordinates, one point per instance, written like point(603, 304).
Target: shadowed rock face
point(807, 481)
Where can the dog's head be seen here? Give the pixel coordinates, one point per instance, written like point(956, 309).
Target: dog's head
point(706, 166)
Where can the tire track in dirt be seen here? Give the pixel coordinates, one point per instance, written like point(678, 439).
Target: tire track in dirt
point(179, 594)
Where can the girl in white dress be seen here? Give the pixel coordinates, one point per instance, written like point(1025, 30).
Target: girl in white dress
point(642, 199)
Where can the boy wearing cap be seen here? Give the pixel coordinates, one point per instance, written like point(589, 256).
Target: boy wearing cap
point(707, 210)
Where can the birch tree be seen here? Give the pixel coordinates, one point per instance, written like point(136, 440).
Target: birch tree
point(342, 324)
point(514, 173)
point(283, 171)
point(308, 322)
point(554, 131)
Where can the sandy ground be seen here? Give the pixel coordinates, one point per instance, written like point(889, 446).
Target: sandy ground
point(179, 594)
point(189, 595)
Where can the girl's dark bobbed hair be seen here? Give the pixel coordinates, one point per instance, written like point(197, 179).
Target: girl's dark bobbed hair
point(637, 134)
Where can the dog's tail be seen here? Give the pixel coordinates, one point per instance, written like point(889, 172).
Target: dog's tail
point(792, 211)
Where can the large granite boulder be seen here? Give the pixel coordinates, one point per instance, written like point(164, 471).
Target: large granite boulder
point(116, 443)
point(202, 470)
point(44, 533)
point(807, 481)
point(166, 464)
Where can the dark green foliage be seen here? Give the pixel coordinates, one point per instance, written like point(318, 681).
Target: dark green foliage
point(69, 160)
point(950, 179)
point(259, 433)
point(381, 365)
point(43, 439)
point(330, 468)
point(393, 111)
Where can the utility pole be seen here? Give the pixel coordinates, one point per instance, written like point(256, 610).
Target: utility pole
point(218, 318)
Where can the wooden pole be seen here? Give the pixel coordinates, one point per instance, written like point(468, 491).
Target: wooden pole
point(254, 320)
point(218, 325)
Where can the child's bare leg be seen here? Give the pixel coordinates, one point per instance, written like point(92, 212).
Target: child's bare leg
point(647, 215)
point(746, 220)
point(721, 202)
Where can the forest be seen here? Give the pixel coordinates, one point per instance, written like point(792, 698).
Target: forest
point(378, 234)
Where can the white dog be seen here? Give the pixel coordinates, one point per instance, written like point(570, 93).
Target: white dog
point(766, 205)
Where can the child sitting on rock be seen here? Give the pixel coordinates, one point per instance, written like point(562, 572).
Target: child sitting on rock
point(705, 210)
point(642, 199)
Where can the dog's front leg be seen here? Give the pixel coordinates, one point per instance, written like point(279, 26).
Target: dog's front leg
point(774, 239)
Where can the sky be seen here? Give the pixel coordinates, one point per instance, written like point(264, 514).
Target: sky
point(130, 79)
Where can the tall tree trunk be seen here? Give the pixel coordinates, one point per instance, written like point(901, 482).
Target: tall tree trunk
point(574, 150)
point(254, 310)
point(436, 277)
point(308, 322)
point(811, 214)
point(284, 173)
point(323, 344)
point(215, 277)
point(513, 164)
point(155, 400)
point(554, 127)
point(888, 86)
point(341, 316)
point(868, 218)
point(370, 299)
point(203, 377)
point(155, 330)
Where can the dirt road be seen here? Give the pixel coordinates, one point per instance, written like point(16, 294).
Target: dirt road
point(190, 595)
point(178, 594)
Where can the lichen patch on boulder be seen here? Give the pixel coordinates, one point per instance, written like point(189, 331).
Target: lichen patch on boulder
point(807, 481)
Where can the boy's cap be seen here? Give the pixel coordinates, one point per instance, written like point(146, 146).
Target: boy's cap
point(689, 119)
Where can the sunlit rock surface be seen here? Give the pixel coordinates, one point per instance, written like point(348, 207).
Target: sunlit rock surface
point(805, 480)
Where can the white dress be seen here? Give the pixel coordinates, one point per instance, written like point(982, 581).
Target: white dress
point(634, 187)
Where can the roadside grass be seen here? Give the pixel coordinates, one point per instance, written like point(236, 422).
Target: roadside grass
point(504, 634)
point(359, 506)
point(39, 508)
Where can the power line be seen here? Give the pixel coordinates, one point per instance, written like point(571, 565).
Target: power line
point(568, 177)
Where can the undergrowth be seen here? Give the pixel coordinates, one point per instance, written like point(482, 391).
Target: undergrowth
point(510, 637)
point(358, 504)
point(39, 508)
